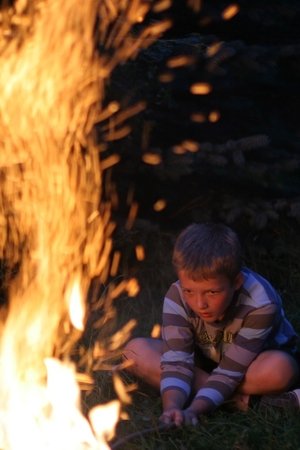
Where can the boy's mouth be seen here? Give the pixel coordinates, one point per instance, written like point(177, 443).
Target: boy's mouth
point(205, 315)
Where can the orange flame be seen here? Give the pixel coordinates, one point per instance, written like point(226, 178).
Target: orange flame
point(52, 88)
point(76, 307)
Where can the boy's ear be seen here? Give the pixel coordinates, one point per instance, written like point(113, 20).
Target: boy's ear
point(239, 280)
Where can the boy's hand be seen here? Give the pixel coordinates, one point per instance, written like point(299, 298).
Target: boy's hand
point(179, 417)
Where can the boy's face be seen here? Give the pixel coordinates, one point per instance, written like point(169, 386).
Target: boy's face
point(210, 298)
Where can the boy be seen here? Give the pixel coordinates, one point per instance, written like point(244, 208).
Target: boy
point(224, 332)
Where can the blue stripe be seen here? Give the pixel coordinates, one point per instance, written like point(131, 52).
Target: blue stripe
point(172, 382)
point(215, 396)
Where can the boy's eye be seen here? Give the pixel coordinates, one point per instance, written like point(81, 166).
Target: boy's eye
point(187, 291)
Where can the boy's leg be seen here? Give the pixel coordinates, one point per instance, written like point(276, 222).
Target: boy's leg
point(270, 376)
point(285, 398)
point(272, 371)
point(144, 354)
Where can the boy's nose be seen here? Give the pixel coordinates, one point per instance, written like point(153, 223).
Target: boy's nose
point(201, 301)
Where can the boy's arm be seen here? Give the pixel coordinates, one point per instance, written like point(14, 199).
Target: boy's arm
point(248, 343)
point(177, 361)
point(173, 412)
point(199, 406)
point(173, 399)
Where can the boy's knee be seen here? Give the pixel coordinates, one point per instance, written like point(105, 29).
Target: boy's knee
point(133, 352)
point(143, 359)
point(272, 371)
point(282, 370)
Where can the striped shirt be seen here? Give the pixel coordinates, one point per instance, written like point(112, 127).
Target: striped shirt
point(254, 322)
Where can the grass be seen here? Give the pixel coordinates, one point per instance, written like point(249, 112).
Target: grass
point(274, 253)
point(220, 430)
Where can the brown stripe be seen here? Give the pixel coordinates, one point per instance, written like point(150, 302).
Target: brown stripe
point(173, 319)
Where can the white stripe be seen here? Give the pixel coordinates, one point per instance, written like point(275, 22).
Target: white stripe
point(172, 356)
point(256, 293)
point(170, 307)
point(252, 333)
point(228, 373)
point(171, 382)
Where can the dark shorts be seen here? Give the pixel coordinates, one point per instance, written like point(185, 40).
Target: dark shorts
point(201, 361)
point(295, 355)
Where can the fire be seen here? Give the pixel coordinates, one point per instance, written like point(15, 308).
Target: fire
point(77, 310)
point(230, 11)
point(53, 230)
point(160, 205)
point(201, 88)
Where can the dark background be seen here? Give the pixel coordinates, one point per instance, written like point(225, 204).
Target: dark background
point(247, 171)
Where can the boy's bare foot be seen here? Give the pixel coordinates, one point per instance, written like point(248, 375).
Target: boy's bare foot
point(239, 402)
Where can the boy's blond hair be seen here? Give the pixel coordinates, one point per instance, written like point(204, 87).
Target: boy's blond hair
point(207, 250)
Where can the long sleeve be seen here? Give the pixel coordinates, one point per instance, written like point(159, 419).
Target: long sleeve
point(247, 344)
point(177, 361)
